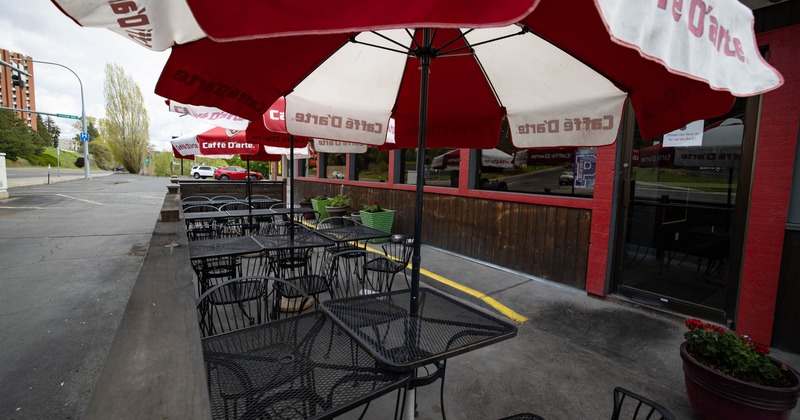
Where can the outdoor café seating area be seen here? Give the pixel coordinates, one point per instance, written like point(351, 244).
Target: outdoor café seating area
point(307, 318)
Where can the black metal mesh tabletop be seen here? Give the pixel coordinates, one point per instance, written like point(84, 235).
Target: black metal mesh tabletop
point(298, 240)
point(347, 233)
point(444, 327)
point(303, 367)
point(223, 246)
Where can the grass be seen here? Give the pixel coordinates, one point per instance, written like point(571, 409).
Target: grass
point(49, 157)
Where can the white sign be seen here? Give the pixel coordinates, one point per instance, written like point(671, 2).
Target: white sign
point(690, 135)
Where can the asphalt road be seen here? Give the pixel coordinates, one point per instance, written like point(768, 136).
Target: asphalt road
point(69, 256)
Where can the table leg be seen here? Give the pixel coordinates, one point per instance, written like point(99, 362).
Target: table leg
point(409, 410)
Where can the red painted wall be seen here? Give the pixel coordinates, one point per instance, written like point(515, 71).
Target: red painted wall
point(601, 220)
point(777, 140)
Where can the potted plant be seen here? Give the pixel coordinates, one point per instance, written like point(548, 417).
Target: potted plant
point(377, 217)
point(319, 202)
point(338, 205)
point(729, 376)
point(307, 204)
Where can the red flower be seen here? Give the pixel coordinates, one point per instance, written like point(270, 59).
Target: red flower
point(760, 348)
point(693, 324)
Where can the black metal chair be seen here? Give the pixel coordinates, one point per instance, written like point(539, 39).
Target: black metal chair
point(194, 199)
point(397, 253)
point(234, 305)
point(201, 228)
point(242, 302)
point(199, 233)
point(338, 221)
point(211, 271)
point(629, 405)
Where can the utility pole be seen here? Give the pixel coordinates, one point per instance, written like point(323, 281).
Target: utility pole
point(84, 133)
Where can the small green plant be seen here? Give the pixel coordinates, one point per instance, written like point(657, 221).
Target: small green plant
point(733, 355)
point(321, 197)
point(375, 207)
point(339, 200)
point(306, 199)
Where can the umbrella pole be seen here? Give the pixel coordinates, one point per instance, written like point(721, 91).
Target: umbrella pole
point(249, 192)
point(423, 122)
point(291, 186)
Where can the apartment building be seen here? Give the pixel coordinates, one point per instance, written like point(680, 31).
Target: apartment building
point(19, 92)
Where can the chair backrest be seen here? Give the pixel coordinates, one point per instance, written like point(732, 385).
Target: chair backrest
point(200, 232)
point(346, 274)
point(211, 271)
point(224, 197)
point(336, 221)
point(242, 302)
point(399, 248)
point(255, 264)
point(628, 405)
point(235, 205)
point(197, 208)
point(194, 199)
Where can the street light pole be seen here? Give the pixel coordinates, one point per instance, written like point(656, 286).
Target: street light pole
point(87, 175)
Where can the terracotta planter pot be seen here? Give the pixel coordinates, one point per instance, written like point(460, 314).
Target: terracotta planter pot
point(717, 396)
point(336, 212)
point(382, 220)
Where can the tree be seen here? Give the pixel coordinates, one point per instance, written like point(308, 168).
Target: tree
point(16, 138)
point(126, 125)
point(52, 129)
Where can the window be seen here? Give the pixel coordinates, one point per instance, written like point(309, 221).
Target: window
point(372, 165)
point(567, 171)
point(437, 171)
point(335, 165)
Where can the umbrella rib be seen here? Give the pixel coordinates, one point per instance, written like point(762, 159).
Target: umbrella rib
point(406, 52)
point(469, 46)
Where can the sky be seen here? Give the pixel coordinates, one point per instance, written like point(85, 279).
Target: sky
point(38, 29)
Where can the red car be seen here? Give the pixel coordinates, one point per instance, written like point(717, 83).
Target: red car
point(225, 173)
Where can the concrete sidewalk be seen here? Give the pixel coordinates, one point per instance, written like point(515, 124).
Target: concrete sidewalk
point(43, 180)
point(564, 363)
point(566, 359)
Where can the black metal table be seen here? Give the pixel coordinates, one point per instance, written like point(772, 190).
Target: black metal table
point(445, 326)
point(301, 367)
point(352, 233)
point(235, 245)
point(287, 241)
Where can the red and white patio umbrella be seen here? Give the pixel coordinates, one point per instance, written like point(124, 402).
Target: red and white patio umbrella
point(560, 74)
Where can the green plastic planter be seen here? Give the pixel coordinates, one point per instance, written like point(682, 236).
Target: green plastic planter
point(382, 220)
point(319, 206)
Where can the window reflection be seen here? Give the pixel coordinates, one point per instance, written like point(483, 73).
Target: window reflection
point(553, 171)
point(436, 173)
point(372, 165)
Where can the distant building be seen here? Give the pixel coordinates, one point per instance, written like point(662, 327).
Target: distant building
point(69, 143)
point(11, 94)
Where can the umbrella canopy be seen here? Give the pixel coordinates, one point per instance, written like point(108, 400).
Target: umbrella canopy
point(676, 61)
point(493, 158)
point(677, 66)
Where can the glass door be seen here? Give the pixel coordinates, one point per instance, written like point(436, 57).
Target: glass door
point(678, 214)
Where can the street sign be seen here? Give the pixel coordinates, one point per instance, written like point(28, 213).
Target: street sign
point(72, 117)
point(84, 136)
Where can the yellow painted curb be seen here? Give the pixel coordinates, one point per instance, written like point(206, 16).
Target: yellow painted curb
point(472, 292)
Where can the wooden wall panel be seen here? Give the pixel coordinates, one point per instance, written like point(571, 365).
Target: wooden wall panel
point(544, 241)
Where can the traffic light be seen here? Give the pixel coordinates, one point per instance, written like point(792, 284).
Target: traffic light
point(16, 79)
point(55, 142)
